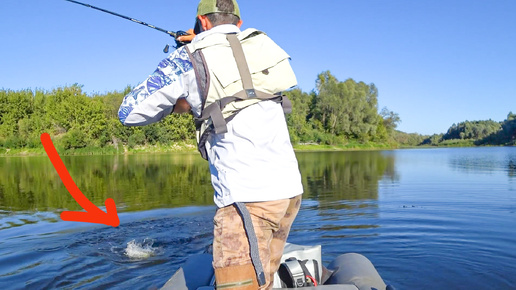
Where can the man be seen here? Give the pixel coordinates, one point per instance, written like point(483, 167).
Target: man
point(229, 80)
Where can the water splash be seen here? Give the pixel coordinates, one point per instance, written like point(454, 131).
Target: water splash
point(141, 250)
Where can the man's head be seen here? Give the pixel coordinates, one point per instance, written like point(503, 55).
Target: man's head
point(211, 13)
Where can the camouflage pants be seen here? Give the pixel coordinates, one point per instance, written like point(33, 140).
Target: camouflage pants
point(231, 254)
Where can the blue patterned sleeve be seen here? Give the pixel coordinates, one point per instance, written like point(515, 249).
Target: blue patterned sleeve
point(155, 97)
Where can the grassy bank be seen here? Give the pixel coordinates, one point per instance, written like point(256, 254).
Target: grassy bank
point(107, 150)
point(180, 147)
point(189, 146)
point(347, 146)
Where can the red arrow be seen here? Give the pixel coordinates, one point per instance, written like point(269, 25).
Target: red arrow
point(92, 214)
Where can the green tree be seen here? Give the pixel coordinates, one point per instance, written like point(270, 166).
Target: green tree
point(472, 130)
point(433, 140)
point(14, 106)
point(390, 119)
point(347, 109)
point(506, 135)
point(300, 128)
point(335, 113)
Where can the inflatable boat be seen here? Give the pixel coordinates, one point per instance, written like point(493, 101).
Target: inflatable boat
point(301, 268)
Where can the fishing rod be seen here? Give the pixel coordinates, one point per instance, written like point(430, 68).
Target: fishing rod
point(174, 34)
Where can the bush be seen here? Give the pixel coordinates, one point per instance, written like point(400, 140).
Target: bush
point(74, 139)
point(137, 138)
point(14, 142)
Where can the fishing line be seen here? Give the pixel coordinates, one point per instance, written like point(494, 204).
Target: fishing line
point(174, 34)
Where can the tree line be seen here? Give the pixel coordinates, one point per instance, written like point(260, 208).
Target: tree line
point(484, 132)
point(76, 120)
point(334, 113)
point(338, 112)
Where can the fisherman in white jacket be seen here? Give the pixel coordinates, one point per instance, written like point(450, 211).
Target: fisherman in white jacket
point(231, 81)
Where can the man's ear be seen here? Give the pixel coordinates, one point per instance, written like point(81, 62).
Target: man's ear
point(205, 22)
point(239, 23)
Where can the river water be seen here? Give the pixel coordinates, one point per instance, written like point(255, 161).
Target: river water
point(426, 218)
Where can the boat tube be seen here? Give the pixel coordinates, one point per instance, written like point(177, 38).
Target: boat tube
point(350, 271)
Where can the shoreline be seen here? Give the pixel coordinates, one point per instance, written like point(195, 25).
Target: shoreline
point(186, 148)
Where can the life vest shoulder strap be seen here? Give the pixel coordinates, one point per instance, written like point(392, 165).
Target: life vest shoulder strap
point(249, 95)
point(214, 110)
point(220, 39)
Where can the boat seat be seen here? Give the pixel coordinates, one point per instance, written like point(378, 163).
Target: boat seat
point(324, 287)
point(195, 273)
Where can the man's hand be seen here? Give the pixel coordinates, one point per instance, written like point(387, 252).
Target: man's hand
point(187, 38)
point(181, 106)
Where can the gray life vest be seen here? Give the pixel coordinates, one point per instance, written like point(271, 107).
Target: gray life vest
point(234, 71)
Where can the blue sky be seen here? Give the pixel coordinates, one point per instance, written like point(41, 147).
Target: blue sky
point(435, 62)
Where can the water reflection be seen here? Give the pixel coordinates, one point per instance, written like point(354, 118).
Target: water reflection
point(139, 182)
point(135, 182)
point(484, 160)
point(335, 176)
point(511, 168)
point(341, 193)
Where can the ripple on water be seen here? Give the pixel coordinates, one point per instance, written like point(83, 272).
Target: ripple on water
point(105, 257)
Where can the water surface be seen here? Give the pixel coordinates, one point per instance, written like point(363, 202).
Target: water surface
point(426, 218)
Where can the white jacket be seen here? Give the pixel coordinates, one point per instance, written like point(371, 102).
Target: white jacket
point(254, 161)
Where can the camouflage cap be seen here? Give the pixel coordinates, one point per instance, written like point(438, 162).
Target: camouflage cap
point(210, 6)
